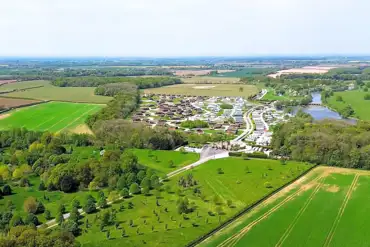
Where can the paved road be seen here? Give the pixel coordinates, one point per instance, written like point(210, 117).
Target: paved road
point(249, 126)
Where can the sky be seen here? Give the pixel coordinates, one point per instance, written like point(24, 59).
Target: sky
point(168, 28)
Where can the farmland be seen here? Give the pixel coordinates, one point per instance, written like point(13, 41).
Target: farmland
point(246, 72)
point(211, 80)
point(173, 229)
point(10, 103)
point(206, 90)
point(52, 116)
point(324, 208)
point(46, 91)
point(355, 99)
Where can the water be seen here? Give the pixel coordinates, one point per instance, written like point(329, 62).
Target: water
point(322, 112)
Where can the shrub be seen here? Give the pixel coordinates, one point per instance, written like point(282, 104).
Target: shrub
point(7, 190)
point(134, 188)
point(30, 205)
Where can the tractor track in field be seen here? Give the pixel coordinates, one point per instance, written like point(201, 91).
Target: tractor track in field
point(298, 216)
point(231, 241)
point(331, 233)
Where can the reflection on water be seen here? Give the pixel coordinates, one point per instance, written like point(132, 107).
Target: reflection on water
point(322, 112)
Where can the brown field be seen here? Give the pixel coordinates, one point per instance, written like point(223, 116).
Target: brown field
point(303, 70)
point(3, 82)
point(192, 72)
point(10, 102)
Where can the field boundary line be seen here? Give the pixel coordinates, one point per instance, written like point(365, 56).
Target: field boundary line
point(298, 216)
point(66, 117)
point(78, 118)
point(330, 236)
point(231, 241)
point(247, 209)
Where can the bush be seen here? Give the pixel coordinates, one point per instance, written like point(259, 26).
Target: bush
point(367, 97)
point(226, 106)
point(125, 193)
point(90, 207)
point(134, 188)
point(259, 155)
point(31, 219)
point(7, 190)
point(268, 185)
point(30, 205)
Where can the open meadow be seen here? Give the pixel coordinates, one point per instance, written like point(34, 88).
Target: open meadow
point(206, 90)
point(43, 90)
point(223, 188)
point(163, 161)
point(210, 80)
point(324, 208)
point(51, 116)
point(354, 98)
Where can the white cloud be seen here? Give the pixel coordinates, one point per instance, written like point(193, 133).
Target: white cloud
point(183, 27)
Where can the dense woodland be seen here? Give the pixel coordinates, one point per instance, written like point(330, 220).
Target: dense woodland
point(141, 82)
point(333, 143)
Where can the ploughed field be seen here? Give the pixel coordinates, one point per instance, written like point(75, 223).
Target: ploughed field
point(10, 103)
point(51, 116)
point(207, 90)
point(327, 207)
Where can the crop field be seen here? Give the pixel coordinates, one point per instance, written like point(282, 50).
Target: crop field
point(164, 161)
point(52, 116)
point(327, 207)
point(9, 102)
point(236, 185)
point(355, 99)
point(210, 80)
point(247, 72)
point(50, 92)
point(206, 90)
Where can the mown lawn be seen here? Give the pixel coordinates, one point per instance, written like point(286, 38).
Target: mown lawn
point(159, 160)
point(51, 116)
point(354, 98)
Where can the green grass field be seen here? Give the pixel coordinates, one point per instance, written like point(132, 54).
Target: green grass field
point(247, 72)
point(51, 116)
point(50, 92)
point(206, 90)
point(355, 99)
point(159, 160)
point(234, 184)
point(330, 207)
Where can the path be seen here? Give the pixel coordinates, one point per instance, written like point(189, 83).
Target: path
point(249, 126)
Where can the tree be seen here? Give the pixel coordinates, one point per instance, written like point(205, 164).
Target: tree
point(171, 164)
point(102, 202)
point(70, 226)
point(90, 207)
point(74, 215)
point(121, 183)
point(31, 219)
point(182, 206)
point(125, 193)
point(7, 190)
point(59, 218)
point(16, 220)
point(47, 215)
point(134, 188)
point(241, 89)
point(67, 184)
point(146, 191)
point(42, 186)
point(76, 203)
point(145, 183)
point(220, 171)
point(367, 97)
point(61, 208)
point(40, 208)
point(30, 205)
point(229, 203)
point(339, 98)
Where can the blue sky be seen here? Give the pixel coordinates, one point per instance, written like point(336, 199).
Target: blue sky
point(183, 27)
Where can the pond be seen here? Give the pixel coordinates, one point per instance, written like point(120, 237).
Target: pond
point(322, 112)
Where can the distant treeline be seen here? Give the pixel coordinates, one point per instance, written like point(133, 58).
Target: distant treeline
point(141, 82)
point(53, 73)
point(333, 143)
